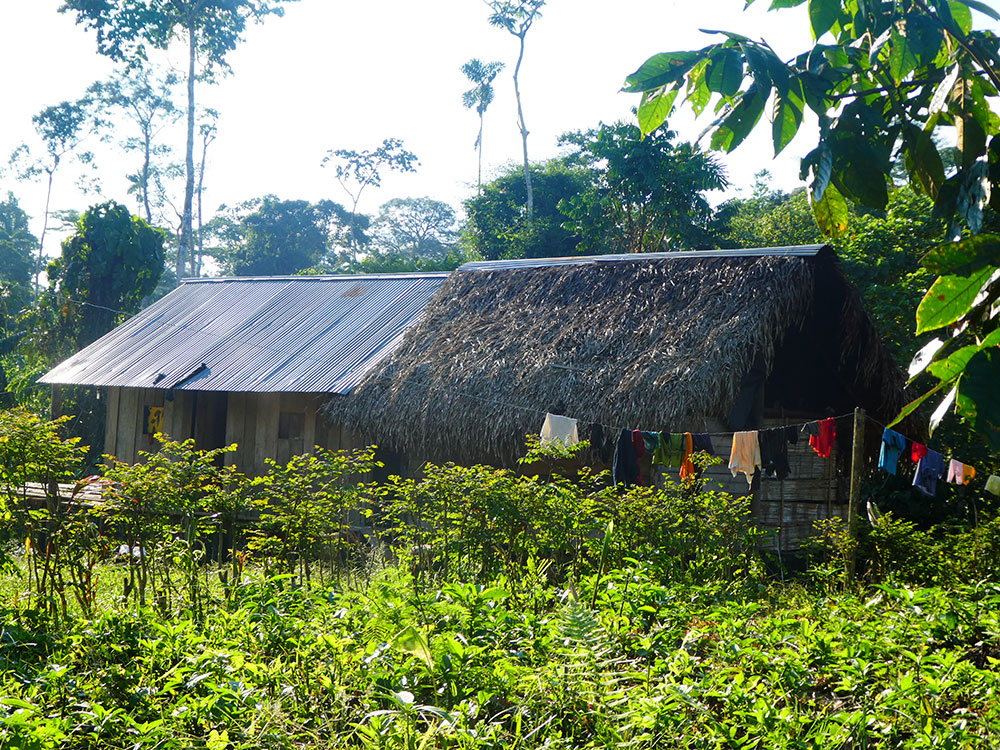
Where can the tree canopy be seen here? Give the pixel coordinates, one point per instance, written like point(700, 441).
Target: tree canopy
point(643, 194)
point(496, 222)
point(269, 236)
point(107, 267)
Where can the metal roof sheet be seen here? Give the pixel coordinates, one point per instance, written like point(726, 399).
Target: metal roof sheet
point(311, 334)
point(585, 260)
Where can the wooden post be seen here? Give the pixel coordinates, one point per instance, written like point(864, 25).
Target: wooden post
point(57, 401)
point(857, 459)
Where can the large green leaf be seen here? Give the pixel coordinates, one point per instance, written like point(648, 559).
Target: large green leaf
point(924, 358)
point(831, 212)
point(982, 8)
point(971, 139)
point(654, 109)
point(823, 15)
point(916, 404)
point(979, 383)
point(962, 16)
point(901, 58)
point(415, 643)
point(949, 299)
point(724, 72)
point(964, 257)
point(662, 70)
point(787, 119)
point(953, 365)
point(923, 161)
point(940, 97)
point(924, 36)
point(741, 121)
point(859, 173)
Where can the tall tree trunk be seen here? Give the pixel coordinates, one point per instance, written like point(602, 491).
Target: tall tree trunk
point(530, 204)
point(147, 145)
point(45, 224)
point(196, 259)
point(479, 176)
point(185, 246)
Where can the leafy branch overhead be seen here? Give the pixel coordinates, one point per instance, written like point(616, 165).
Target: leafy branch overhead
point(883, 79)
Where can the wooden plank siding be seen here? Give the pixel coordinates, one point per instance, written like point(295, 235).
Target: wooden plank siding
point(111, 422)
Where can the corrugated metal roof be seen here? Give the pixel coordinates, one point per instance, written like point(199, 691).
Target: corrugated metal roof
point(307, 334)
point(585, 260)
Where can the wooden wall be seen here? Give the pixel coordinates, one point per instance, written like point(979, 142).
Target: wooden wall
point(126, 432)
point(253, 421)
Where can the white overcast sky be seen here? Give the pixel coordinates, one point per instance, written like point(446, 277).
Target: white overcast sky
point(334, 74)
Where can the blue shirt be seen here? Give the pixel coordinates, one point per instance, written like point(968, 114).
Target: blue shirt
point(893, 444)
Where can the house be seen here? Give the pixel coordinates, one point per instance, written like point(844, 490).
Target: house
point(703, 341)
point(246, 361)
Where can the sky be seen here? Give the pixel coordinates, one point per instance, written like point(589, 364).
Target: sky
point(333, 74)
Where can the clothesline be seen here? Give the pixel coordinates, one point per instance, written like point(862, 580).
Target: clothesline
point(762, 450)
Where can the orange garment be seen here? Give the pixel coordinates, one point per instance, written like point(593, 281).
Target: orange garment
point(687, 466)
point(959, 473)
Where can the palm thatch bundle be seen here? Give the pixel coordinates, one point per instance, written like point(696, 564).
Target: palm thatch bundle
point(657, 342)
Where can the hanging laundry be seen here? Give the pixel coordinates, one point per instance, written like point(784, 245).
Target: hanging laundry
point(745, 455)
point(670, 449)
point(930, 469)
point(688, 473)
point(557, 429)
point(893, 445)
point(598, 446)
point(993, 484)
point(774, 452)
point(638, 443)
point(917, 452)
point(651, 440)
point(702, 441)
point(821, 436)
point(792, 434)
point(969, 473)
point(625, 468)
point(959, 473)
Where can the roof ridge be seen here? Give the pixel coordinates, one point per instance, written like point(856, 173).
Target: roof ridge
point(320, 277)
point(794, 251)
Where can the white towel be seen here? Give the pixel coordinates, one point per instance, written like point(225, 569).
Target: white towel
point(559, 429)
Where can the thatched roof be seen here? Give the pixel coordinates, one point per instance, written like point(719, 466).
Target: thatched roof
point(653, 341)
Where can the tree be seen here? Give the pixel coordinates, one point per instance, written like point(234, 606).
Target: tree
point(127, 29)
point(106, 269)
point(645, 195)
point(496, 225)
point(147, 102)
point(480, 96)
point(208, 132)
point(17, 245)
point(517, 17)
point(768, 218)
point(358, 170)
point(267, 236)
point(896, 73)
point(62, 128)
point(415, 228)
